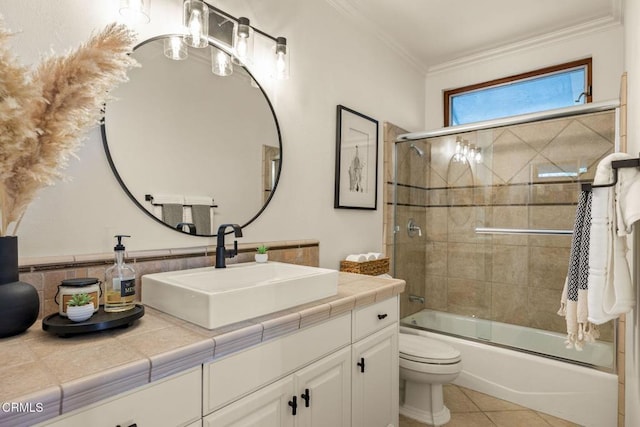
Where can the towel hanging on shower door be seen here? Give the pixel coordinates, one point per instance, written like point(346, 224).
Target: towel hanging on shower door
point(615, 209)
point(573, 303)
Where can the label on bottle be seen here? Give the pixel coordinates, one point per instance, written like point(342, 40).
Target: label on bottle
point(127, 287)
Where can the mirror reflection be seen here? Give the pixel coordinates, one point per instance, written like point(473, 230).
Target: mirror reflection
point(192, 149)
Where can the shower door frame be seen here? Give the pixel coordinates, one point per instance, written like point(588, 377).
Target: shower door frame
point(493, 124)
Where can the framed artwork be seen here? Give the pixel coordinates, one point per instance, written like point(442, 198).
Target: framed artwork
point(356, 185)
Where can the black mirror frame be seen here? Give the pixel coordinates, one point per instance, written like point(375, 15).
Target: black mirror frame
point(149, 213)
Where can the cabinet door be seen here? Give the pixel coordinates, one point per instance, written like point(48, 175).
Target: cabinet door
point(267, 407)
point(324, 392)
point(375, 379)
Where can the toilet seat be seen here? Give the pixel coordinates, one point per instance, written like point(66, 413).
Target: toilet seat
point(421, 349)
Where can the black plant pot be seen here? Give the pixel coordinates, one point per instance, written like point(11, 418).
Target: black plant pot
point(19, 302)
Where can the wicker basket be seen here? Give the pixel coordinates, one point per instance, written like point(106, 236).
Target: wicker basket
point(371, 268)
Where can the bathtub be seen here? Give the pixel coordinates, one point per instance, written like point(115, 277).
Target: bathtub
point(577, 393)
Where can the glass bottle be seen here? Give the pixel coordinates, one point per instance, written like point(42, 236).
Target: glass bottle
point(120, 282)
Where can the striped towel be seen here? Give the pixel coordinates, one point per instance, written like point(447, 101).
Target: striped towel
point(573, 303)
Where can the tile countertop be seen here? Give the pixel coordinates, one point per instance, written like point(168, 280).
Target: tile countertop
point(38, 368)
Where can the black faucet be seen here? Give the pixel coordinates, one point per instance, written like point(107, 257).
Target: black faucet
point(191, 227)
point(221, 251)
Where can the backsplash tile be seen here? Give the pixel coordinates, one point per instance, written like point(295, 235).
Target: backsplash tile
point(45, 274)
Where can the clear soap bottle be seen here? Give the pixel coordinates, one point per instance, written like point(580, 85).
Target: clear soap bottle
point(120, 282)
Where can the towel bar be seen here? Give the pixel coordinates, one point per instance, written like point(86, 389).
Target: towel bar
point(149, 198)
point(484, 230)
point(615, 165)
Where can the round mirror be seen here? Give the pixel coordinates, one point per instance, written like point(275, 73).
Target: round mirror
point(190, 148)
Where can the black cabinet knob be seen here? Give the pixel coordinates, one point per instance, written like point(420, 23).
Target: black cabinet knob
point(306, 397)
point(294, 405)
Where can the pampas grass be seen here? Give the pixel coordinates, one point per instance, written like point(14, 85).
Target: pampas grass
point(46, 112)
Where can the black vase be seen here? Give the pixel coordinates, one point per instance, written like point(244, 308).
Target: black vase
point(19, 301)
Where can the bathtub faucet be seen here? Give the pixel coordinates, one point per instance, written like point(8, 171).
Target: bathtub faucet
point(413, 228)
point(416, 298)
point(221, 251)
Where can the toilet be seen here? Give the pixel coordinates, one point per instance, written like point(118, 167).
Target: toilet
point(425, 365)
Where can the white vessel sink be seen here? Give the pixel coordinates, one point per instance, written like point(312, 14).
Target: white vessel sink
point(214, 297)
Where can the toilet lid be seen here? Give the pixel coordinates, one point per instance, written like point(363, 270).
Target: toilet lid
point(426, 350)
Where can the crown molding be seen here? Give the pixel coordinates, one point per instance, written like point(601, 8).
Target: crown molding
point(347, 8)
point(591, 27)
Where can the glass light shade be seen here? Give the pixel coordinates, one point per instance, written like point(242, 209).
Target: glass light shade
point(174, 48)
point(220, 62)
point(282, 54)
point(478, 157)
point(243, 42)
point(196, 23)
point(136, 11)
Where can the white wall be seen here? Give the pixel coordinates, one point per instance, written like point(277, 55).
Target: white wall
point(332, 63)
point(632, 339)
point(605, 46)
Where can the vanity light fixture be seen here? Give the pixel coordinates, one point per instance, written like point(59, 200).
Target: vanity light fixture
point(465, 152)
point(136, 11)
point(196, 22)
point(282, 59)
point(175, 48)
point(220, 62)
point(243, 42)
point(458, 156)
point(478, 155)
point(232, 40)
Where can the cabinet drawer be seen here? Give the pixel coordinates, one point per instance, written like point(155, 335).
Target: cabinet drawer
point(174, 401)
point(371, 318)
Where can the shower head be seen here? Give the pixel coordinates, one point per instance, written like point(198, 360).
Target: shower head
point(418, 149)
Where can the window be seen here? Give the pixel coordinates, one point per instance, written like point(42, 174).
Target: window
point(560, 86)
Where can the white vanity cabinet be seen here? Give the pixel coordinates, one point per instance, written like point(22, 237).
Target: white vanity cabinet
point(340, 372)
point(324, 392)
point(375, 381)
point(322, 364)
point(174, 401)
point(315, 396)
point(267, 407)
point(312, 365)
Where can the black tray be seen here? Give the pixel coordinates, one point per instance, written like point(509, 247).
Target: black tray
point(100, 321)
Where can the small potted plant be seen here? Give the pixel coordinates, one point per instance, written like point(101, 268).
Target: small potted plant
point(261, 253)
point(80, 307)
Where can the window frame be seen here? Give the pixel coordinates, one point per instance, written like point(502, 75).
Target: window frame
point(586, 63)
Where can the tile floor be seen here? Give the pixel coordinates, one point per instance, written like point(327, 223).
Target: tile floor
point(470, 408)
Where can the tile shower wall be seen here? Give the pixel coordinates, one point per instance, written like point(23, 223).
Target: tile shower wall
point(46, 276)
point(528, 178)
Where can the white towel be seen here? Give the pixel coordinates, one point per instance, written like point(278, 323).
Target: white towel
point(610, 290)
point(357, 258)
point(374, 255)
point(628, 199)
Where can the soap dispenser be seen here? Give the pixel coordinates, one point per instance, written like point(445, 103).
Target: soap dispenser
point(120, 282)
